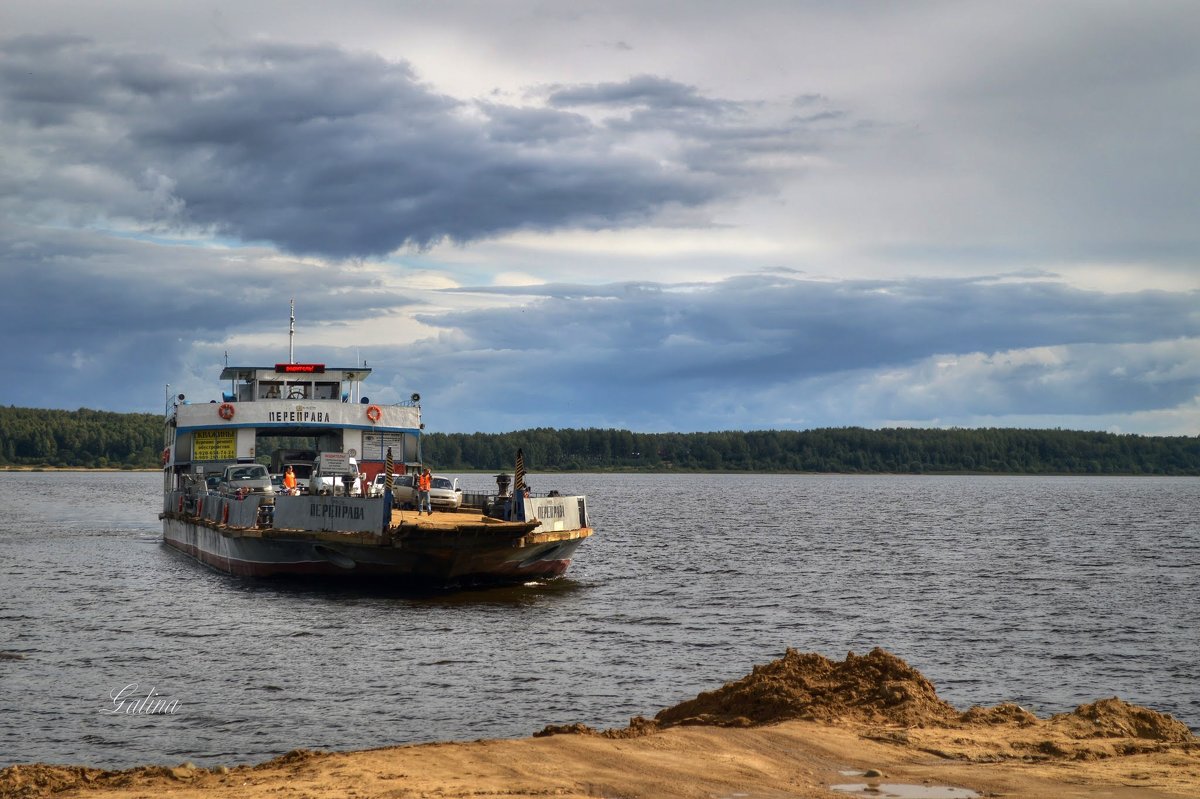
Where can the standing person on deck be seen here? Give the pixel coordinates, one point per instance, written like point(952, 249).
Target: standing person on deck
point(289, 481)
point(424, 481)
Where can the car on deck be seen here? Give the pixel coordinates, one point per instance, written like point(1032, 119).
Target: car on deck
point(246, 479)
point(444, 493)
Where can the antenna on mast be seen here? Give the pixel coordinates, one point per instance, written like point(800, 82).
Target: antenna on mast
point(292, 332)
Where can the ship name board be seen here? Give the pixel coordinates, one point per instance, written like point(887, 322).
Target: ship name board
point(298, 415)
point(330, 511)
point(555, 511)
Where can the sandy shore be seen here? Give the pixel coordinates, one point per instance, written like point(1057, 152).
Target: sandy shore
point(792, 728)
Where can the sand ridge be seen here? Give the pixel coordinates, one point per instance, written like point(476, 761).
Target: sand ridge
point(789, 728)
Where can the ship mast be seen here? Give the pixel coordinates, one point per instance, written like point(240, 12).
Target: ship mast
point(292, 331)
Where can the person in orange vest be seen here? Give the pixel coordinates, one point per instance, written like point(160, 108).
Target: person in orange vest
point(289, 481)
point(424, 481)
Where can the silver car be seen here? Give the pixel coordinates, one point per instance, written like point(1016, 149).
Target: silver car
point(246, 479)
point(404, 491)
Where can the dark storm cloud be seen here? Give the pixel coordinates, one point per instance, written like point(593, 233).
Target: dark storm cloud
point(654, 353)
point(712, 135)
point(643, 91)
point(99, 322)
point(534, 125)
point(873, 322)
point(320, 150)
point(90, 320)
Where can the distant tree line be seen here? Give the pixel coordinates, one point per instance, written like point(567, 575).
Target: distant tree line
point(845, 449)
point(80, 439)
point(97, 439)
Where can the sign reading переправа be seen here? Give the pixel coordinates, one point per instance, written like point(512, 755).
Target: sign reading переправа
point(342, 514)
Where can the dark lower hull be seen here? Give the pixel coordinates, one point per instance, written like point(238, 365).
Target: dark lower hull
point(418, 559)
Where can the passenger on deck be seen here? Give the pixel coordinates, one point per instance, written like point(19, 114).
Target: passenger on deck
point(289, 481)
point(424, 483)
point(522, 495)
point(514, 507)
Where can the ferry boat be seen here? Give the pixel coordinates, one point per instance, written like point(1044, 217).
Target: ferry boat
point(499, 536)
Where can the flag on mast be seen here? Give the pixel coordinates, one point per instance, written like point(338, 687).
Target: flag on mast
point(519, 476)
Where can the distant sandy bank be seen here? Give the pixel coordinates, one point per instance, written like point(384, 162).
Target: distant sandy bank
point(791, 728)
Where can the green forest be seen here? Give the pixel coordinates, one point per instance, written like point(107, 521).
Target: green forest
point(80, 439)
point(34, 438)
point(844, 449)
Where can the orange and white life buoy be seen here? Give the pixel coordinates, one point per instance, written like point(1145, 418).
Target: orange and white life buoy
point(373, 413)
point(226, 411)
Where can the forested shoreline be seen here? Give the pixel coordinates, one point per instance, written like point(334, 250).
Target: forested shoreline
point(832, 450)
point(87, 439)
point(83, 439)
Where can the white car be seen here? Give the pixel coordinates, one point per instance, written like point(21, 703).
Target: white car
point(444, 493)
point(403, 492)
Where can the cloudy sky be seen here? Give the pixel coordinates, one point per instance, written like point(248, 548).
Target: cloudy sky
point(650, 215)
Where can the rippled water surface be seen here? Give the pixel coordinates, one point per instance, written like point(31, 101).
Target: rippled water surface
point(1049, 592)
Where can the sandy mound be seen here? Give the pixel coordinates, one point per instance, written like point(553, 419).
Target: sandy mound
point(1099, 731)
point(39, 779)
point(882, 691)
point(1006, 713)
point(875, 688)
point(1112, 718)
point(42, 780)
point(1105, 719)
point(880, 688)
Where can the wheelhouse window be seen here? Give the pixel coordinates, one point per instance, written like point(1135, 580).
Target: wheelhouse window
point(270, 389)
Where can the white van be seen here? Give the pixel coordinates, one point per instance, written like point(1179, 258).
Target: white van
point(335, 474)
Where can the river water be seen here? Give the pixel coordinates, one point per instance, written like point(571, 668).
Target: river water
point(1048, 592)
